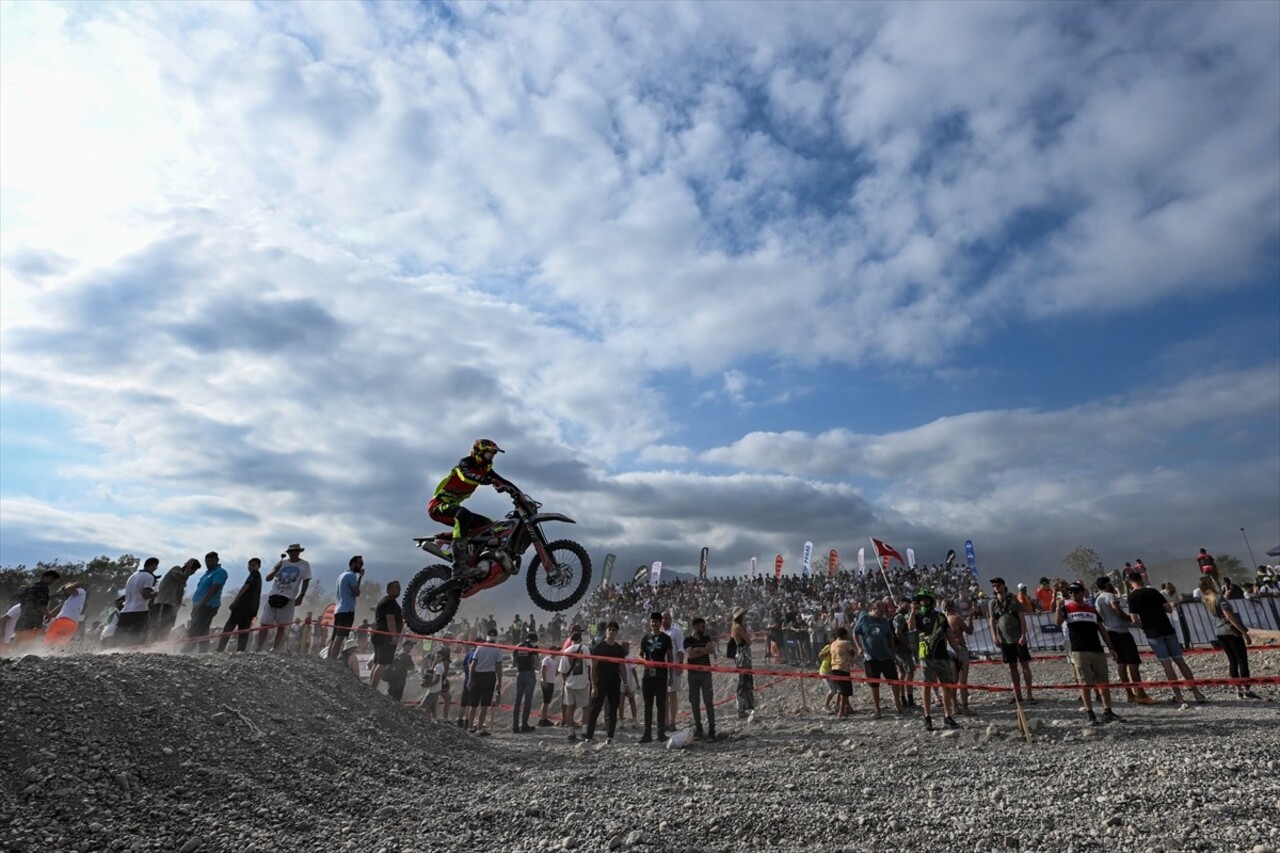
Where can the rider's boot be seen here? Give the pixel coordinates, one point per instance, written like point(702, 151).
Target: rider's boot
point(461, 552)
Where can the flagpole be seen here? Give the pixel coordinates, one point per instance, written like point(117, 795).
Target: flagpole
point(881, 560)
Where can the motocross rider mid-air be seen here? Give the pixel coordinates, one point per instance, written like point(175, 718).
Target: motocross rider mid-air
point(446, 507)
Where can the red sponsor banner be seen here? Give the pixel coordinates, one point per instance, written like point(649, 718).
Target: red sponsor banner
point(777, 567)
point(832, 560)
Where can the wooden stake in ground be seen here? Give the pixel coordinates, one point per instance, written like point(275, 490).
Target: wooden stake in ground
point(1023, 725)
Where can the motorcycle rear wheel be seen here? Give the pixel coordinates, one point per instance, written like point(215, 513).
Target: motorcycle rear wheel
point(564, 583)
point(423, 612)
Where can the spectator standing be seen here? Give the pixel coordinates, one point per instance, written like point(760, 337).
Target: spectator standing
point(935, 662)
point(547, 677)
point(577, 683)
point(139, 589)
point(607, 672)
point(290, 578)
point(1123, 646)
point(434, 681)
point(673, 630)
point(243, 608)
point(486, 679)
point(168, 600)
point(344, 609)
point(1044, 596)
point(906, 643)
point(1085, 638)
point(698, 651)
point(467, 716)
point(959, 627)
point(1009, 628)
point(388, 620)
point(842, 652)
point(1025, 599)
point(655, 648)
point(526, 663)
point(741, 637)
point(1148, 608)
point(1232, 634)
point(1208, 566)
point(875, 639)
point(397, 673)
point(205, 601)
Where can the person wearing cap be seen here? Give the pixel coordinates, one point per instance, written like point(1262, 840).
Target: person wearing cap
point(486, 680)
point(1008, 620)
point(526, 660)
point(577, 683)
point(1086, 636)
point(935, 661)
point(446, 507)
point(285, 577)
point(906, 642)
point(348, 657)
point(1044, 595)
point(1024, 598)
point(1123, 646)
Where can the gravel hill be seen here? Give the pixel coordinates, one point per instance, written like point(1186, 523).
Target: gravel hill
point(151, 752)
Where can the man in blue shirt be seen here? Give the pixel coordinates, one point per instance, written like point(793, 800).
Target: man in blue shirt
point(207, 600)
point(875, 638)
point(344, 613)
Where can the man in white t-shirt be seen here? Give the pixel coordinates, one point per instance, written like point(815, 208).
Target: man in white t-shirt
point(139, 589)
point(64, 623)
point(290, 578)
point(486, 680)
point(547, 679)
point(577, 682)
point(673, 630)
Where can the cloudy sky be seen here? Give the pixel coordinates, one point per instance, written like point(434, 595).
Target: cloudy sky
point(733, 275)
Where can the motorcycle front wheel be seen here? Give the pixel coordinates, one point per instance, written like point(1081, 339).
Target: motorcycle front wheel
point(562, 585)
point(427, 611)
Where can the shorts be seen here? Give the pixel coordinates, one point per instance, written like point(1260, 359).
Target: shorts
point(578, 697)
point(482, 684)
point(831, 683)
point(906, 663)
point(1014, 652)
point(342, 623)
point(1166, 648)
point(674, 686)
point(468, 698)
point(843, 685)
point(938, 671)
point(384, 650)
point(962, 658)
point(1126, 647)
point(1091, 667)
point(548, 693)
point(281, 616)
point(881, 669)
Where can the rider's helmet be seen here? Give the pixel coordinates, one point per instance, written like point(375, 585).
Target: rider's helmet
point(485, 445)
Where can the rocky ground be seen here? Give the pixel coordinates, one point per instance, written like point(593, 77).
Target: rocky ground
point(145, 752)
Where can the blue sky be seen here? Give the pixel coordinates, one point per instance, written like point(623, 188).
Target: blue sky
point(733, 275)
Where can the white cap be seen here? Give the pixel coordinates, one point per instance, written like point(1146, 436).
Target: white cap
point(1022, 586)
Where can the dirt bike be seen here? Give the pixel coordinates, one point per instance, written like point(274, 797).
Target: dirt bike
point(557, 578)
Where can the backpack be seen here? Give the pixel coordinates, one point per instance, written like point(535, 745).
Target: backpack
point(575, 668)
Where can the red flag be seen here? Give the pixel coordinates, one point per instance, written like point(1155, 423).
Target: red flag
point(884, 551)
point(777, 567)
point(832, 559)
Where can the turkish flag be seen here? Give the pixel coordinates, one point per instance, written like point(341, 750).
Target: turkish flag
point(884, 551)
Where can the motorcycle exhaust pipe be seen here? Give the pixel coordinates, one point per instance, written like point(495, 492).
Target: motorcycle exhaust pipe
point(503, 559)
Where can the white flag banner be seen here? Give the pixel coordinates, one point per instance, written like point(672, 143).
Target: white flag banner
point(862, 561)
point(808, 554)
point(753, 567)
point(911, 557)
point(655, 572)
